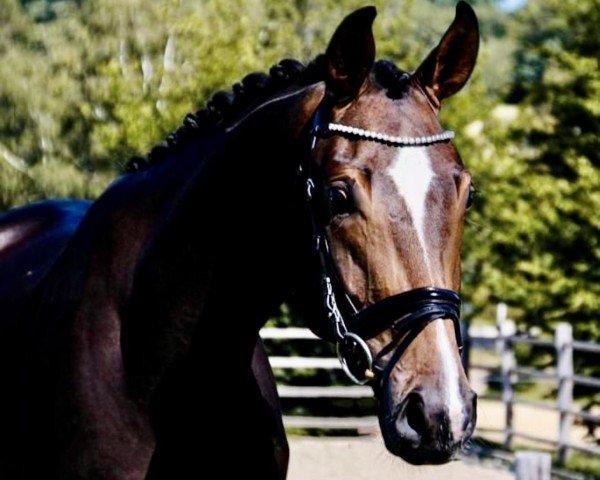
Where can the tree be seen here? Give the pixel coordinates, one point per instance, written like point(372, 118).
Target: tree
point(535, 241)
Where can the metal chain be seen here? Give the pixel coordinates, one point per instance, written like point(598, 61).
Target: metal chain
point(333, 312)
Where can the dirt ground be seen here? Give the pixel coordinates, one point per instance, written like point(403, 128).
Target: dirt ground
point(365, 458)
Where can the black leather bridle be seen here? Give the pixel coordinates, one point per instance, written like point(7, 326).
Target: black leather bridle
point(405, 314)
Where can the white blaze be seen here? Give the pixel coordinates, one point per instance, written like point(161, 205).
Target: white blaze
point(452, 378)
point(412, 174)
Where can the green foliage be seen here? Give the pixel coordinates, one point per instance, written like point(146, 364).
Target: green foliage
point(534, 236)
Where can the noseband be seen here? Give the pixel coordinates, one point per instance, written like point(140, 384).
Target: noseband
point(405, 314)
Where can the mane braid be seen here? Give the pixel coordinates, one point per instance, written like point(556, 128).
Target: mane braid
point(225, 105)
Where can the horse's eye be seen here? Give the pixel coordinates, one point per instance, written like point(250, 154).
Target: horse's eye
point(340, 200)
point(470, 197)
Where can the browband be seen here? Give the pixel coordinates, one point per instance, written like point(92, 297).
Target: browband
point(355, 132)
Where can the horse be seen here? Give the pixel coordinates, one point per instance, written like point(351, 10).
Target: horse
point(129, 352)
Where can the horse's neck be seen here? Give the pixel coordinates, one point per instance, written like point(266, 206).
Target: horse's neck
point(219, 264)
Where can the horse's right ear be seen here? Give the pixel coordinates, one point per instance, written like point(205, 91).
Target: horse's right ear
point(350, 55)
point(450, 64)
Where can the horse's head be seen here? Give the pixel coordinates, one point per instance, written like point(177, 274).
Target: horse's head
point(395, 193)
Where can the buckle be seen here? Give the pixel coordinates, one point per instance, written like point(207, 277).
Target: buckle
point(356, 358)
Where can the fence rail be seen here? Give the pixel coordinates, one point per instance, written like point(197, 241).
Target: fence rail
point(287, 391)
point(337, 423)
point(502, 338)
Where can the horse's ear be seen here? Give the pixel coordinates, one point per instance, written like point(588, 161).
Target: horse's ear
point(449, 65)
point(350, 55)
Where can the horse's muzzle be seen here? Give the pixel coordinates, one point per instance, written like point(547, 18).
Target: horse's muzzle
point(421, 431)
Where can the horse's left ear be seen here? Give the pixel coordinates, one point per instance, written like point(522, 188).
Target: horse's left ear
point(450, 64)
point(350, 55)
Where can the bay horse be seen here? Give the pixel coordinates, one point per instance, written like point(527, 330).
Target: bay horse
point(127, 346)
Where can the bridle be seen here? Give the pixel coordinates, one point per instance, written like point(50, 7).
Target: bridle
point(406, 314)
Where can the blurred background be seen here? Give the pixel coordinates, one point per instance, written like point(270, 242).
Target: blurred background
point(85, 84)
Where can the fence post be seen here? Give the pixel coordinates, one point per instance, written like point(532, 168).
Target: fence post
point(563, 340)
point(501, 317)
point(507, 329)
point(532, 466)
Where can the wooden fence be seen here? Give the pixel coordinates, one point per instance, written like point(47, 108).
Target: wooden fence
point(562, 375)
point(502, 339)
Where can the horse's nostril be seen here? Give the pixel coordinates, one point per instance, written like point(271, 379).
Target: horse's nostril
point(415, 414)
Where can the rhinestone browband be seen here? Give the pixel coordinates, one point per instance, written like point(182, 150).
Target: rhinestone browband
point(345, 130)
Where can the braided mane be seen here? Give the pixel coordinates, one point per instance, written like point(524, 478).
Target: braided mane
point(225, 105)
